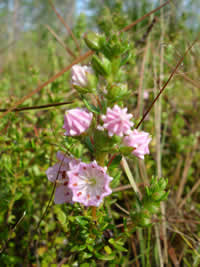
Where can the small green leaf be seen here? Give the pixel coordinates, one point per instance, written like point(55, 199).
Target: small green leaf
point(115, 162)
point(91, 107)
point(108, 250)
point(61, 217)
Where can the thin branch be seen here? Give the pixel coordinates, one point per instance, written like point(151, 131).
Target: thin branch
point(187, 78)
point(146, 34)
point(60, 41)
point(38, 107)
point(143, 17)
point(66, 26)
point(12, 230)
point(141, 81)
point(52, 193)
point(52, 79)
point(169, 79)
point(122, 188)
point(187, 165)
point(194, 188)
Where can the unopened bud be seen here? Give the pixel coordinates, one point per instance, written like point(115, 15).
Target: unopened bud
point(101, 65)
point(94, 40)
point(83, 79)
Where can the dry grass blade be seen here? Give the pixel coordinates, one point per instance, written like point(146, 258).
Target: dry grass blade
point(187, 78)
point(141, 81)
point(60, 41)
point(66, 26)
point(194, 188)
point(187, 165)
point(165, 85)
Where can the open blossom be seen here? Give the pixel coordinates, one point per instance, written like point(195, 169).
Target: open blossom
point(77, 121)
point(89, 183)
point(58, 173)
point(139, 141)
point(117, 121)
point(79, 75)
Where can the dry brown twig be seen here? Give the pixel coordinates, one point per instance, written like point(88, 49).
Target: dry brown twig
point(187, 165)
point(66, 26)
point(60, 41)
point(38, 107)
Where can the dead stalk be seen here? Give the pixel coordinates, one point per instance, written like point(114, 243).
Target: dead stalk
point(187, 165)
point(141, 81)
point(60, 41)
point(194, 188)
point(66, 26)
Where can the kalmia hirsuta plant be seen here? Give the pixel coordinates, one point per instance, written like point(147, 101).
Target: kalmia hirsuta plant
point(105, 128)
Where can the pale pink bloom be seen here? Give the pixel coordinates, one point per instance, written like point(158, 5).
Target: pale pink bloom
point(79, 75)
point(89, 183)
point(145, 94)
point(139, 141)
point(58, 173)
point(117, 121)
point(77, 121)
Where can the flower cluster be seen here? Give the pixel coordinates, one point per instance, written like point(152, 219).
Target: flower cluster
point(89, 183)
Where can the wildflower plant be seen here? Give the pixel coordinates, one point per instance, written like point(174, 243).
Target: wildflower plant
point(105, 127)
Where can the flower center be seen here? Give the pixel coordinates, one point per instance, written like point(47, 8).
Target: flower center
point(122, 117)
point(92, 181)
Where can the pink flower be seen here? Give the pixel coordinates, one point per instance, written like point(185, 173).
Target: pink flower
point(89, 183)
point(139, 141)
point(79, 75)
point(58, 173)
point(117, 121)
point(145, 94)
point(77, 121)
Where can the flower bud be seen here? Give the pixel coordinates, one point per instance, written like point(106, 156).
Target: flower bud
point(94, 40)
point(142, 218)
point(101, 65)
point(159, 196)
point(162, 183)
point(104, 143)
point(152, 207)
point(117, 91)
point(77, 121)
point(139, 141)
point(83, 79)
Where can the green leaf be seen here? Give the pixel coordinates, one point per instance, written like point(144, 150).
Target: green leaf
point(61, 217)
point(116, 162)
point(82, 220)
point(89, 144)
point(108, 250)
point(91, 107)
point(105, 257)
